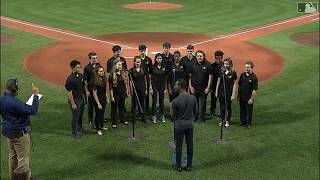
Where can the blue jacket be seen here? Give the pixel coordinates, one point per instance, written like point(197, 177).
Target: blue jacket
point(16, 114)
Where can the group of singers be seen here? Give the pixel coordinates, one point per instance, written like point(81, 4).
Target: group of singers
point(99, 86)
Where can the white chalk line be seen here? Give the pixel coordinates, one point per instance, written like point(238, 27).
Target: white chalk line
point(255, 29)
point(62, 32)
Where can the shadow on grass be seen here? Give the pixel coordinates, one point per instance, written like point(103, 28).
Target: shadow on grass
point(231, 158)
point(133, 159)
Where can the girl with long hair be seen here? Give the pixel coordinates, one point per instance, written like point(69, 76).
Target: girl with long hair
point(226, 90)
point(100, 96)
point(119, 91)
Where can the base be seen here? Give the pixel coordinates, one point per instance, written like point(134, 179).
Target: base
point(135, 139)
point(221, 141)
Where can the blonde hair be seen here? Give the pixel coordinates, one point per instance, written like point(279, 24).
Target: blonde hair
point(123, 73)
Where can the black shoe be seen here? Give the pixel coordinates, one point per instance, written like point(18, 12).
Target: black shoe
point(90, 124)
point(187, 168)
point(76, 136)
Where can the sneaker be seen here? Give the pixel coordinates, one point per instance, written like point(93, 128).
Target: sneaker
point(187, 168)
point(154, 119)
point(114, 126)
point(125, 122)
point(104, 128)
point(220, 123)
point(99, 132)
point(227, 124)
point(163, 119)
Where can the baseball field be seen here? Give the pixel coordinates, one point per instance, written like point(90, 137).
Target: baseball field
point(39, 38)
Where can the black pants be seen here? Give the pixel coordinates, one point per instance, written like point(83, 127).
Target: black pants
point(225, 106)
point(202, 103)
point(99, 119)
point(147, 96)
point(245, 112)
point(188, 134)
point(90, 107)
point(158, 91)
point(135, 106)
point(76, 122)
point(118, 108)
point(213, 102)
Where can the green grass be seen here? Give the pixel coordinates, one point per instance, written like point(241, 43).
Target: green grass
point(284, 140)
point(101, 16)
point(283, 143)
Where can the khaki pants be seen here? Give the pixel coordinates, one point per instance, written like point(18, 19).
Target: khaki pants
point(19, 155)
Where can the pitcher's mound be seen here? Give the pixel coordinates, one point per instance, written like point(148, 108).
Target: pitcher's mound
point(307, 38)
point(152, 6)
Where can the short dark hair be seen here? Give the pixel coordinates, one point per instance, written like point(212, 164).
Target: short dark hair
point(218, 53)
point(250, 63)
point(116, 48)
point(12, 85)
point(183, 84)
point(74, 63)
point(166, 45)
point(204, 55)
point(92, 54)
point(136, 57)
point(177, 52)
point(142, 47)
point(190, 46)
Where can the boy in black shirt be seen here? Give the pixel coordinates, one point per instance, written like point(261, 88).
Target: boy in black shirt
point(75, 89)
point(176, 71)
point(189, 60)
point(116, 55)
point(88, 74)
point(146, 63)
point(248, 86)
point(200, 82)
point(216, 68)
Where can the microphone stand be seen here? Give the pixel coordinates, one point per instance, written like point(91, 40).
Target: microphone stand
point(221, 140)
point(173, 144)
point(134, 138)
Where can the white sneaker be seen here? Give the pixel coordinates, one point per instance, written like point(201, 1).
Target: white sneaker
point(227, 124)
point(154, 119)
point(220, 123)
point(114, 126)
point(163, 119)
point(99, 132)
point(104, 128)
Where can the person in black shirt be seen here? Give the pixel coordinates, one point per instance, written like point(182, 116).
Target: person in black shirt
point(75, 91)
point(116, 55)
point(183, 111)
point(99, 87)
point(189, 60)
point(146, 63)
point(167, 57)
point(158, 83)
point(176, 71)
point(87, 77)
point(248, 86)
point(216, 67)
point(119, 90)
point(111, 61)
point(200, 81)
point(138, 87)
point(226, 91)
